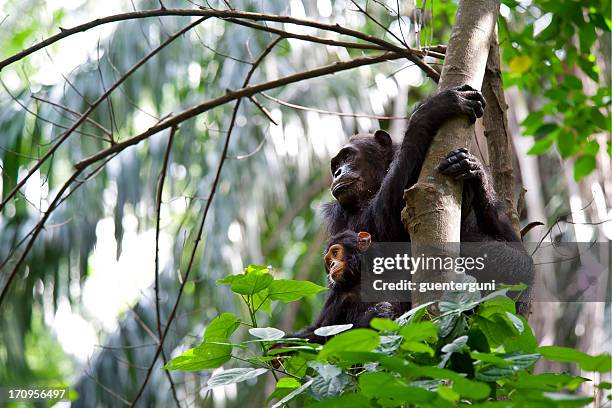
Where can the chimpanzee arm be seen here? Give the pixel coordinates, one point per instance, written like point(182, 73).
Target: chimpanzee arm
point(404, 170)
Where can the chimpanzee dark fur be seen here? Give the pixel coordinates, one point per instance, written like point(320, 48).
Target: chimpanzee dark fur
point(343, 304)
point(370, 174)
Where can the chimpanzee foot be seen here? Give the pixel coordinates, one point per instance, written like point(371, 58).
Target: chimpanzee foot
point(462, 165)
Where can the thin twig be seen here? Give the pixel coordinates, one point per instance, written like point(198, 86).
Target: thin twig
point(327, 112)
point(158, 202)
point(198, 237)
point(230, 96)
point(72, 111)
point(91, 108)
point(262, 109)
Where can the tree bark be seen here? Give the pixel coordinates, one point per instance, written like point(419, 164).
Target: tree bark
point(433, 205)
point(499, 138)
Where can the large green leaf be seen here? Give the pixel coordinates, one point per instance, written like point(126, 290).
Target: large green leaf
point(600, 363)
point(289, 290)
point(352, 340)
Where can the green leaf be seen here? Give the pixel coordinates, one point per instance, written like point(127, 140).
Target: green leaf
point(353, 340)
point(448, 393)
point(330, 382)
point(221, 328)
point(541, 146)
point(293, 394)
point(419, 331)
point(248, 284)
point(203, 357)
point(288, 290)
point(566, 143)
point(385, 385)
point(235, 375)
point(583, 166)
point(546, 381)
point(417, 347)
point(572, 82)
point(288, 382)
point(384, 324)
point(267, 333)
point(332, 330)
point(601, 363)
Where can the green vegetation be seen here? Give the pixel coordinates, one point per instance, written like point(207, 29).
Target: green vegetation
point(478, 352)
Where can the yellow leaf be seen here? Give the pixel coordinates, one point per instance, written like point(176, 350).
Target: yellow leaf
point(520, 64)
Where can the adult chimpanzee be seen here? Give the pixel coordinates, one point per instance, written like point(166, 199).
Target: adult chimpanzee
point(343, 304)
point(370, 174)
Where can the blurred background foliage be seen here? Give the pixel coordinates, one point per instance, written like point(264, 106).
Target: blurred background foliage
point(82, 310)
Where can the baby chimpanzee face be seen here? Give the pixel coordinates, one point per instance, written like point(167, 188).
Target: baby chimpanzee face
point(342, 260)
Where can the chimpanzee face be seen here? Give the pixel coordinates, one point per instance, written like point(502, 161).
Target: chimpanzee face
point(359, 168)
point(342, 261)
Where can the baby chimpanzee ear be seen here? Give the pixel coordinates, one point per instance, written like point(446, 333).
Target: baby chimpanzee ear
point(383, 138)
point(363, 241)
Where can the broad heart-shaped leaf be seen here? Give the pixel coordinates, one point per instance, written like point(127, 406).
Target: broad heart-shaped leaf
point(419, 331)
point(221, 328)
point(209, 354)
point(289, 290)
point(203, 357)
point(385, 385)
point(491, 373)
point(267, 333)
point(250, 283)
point(583, 166)
point(332, 330)
point(601, 363)
point(384, 324)
point(546, 381)
point(353, 340)
point(330, 382)
point(235, 375)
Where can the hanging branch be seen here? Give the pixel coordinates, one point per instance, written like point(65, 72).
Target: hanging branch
point(433, 205)
point(213, 190)
point(158, 202)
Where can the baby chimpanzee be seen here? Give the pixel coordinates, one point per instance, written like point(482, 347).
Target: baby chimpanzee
point(343, 304)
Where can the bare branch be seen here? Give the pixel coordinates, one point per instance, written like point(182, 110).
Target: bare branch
point(262, 109)
point(158, 202)
point(226, 14)
point(230, 96)
point(327, 112)
point(91, 108)
point(198, 238)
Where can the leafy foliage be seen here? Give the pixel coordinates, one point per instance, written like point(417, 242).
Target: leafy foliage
point(484, 359)
point(562, 63)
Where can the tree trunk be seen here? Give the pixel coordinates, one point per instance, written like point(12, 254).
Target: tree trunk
point(499, 138)
point(433, 205)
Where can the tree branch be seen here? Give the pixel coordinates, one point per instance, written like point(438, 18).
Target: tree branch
point(230, 96)
point(92, 107)
point(158, 202)
point(198, 238)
